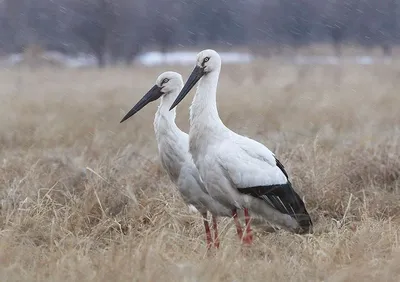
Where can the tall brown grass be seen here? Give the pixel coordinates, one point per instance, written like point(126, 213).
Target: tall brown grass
point(83, 198)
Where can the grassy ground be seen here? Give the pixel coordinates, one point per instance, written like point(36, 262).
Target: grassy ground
point(83, 198)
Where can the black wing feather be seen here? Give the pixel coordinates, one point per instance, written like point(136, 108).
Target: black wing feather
point(283, 198)
point(281, 167)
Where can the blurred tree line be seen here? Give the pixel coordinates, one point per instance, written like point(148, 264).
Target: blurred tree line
point(117, 30)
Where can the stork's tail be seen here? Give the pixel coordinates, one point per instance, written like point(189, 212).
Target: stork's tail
point(283, 198)
point(291, 203)
point(302, 217)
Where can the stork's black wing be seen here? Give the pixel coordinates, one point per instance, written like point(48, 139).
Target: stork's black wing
point(281, 167)
point(283, 198)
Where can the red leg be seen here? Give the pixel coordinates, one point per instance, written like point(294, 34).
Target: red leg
point(238, 227)
point(216, 238)
point(208, 232)
point(249, 235)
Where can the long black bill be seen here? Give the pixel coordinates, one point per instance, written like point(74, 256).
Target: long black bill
point(153, 94)
point(195, 76)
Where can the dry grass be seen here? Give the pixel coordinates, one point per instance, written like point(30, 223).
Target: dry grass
point(83, 198)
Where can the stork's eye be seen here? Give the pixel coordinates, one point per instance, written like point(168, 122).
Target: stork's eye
point(165, 80)
point(206, 59)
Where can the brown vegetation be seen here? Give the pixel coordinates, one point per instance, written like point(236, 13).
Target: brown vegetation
point(83, 198)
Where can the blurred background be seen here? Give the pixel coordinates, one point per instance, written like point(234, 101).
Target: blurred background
point(104, 32)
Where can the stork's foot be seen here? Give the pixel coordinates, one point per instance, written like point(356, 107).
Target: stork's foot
point(216, 237)
point(248, 238)
point(208, 232)
point(237, 223)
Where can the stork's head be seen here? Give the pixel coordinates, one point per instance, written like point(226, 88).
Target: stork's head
point(167, 83)
point(207, 61)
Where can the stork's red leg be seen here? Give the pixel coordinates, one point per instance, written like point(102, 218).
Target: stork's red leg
point(216, 238)
point(208, 232)
point(249, 235)
point(238, 227)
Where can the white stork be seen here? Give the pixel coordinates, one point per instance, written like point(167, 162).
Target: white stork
point(173, 148)
point(237, 171)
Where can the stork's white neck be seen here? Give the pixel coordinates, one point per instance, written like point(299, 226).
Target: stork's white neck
point(165, 104)
point(203, 110)
point(172, 142)
point(164, 120)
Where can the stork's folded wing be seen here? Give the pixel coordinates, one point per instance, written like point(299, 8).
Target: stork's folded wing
point(245, 170)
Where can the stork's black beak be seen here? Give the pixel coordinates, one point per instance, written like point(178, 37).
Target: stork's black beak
point(153, 94)
point(195, 76)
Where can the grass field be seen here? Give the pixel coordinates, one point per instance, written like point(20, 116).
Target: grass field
point(83, 198)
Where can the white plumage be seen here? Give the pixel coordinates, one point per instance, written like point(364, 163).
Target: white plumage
point(237, 171)
point(173, 148)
